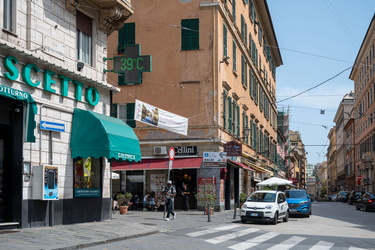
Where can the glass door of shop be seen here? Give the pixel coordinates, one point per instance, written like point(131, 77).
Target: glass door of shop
point(5, 156)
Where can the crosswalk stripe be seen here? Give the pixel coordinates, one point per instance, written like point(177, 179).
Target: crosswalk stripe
point(321, 245)
point(214, 230)
point(230, 236)
point(254, 241)
point(287, 244)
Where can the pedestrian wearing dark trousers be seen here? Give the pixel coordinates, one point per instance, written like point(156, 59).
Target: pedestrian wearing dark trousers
point(185, 196)
point(170, 193)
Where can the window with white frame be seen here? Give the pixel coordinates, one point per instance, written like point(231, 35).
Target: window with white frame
point(84, 38)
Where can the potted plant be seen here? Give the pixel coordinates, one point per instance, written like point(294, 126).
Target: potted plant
point(209, 199)
point(123, 202)
point(243, 198)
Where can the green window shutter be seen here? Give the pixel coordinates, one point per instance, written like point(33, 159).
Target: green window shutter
point(261, 99)
point(251, 87)
point(190, 34)
point(253, 129)
point(252, 11)
point(243, 34)
point(246, 122)
point(130, 109)
point(234, 10)
point(260, 35)
point(234, 56)
point(126, 36)
point(230, 114)
point(114, 110)
point(225, 41)
point(243, 70)
point(195, 33)
point(237, 119)
point(225, 110)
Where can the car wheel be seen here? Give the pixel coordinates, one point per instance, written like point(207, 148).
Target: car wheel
point(286, 218)
point(350, 203)
point(366, 208)
point(243, 221)
point(357, 207)
point(275, 218)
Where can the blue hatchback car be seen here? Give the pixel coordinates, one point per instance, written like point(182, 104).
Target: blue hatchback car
point(299, 202)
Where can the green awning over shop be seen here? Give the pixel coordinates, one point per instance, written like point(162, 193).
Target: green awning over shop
point(31, 110)
point(96, 135)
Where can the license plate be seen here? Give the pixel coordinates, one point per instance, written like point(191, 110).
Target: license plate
point(254, 214)
point(292, 210)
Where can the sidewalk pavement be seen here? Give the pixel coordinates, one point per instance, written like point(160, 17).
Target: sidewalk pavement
point(121, 227)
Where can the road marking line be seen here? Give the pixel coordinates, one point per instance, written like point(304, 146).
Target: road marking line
point(231, 236)
point(214, 230)
point(254, 241)
point(287, 244)
point(321, 245)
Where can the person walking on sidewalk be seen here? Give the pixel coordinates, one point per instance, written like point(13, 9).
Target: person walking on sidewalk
point(170, 193)
point(185, 197)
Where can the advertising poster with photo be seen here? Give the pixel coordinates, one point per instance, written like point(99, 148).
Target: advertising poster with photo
point(205, 186)
point(157, 184)
point(160, 118)
point(222, 190)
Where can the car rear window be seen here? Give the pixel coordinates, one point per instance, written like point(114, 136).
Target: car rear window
point(296, 194)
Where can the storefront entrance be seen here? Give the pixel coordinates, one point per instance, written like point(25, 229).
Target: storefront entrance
point(189, 177)
point(5, 184)
point(10, 160)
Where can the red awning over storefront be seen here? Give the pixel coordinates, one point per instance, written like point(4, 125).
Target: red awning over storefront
point(242, 165)
point(158, 164)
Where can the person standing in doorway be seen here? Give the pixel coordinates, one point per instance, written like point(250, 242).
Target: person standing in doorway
point(170, 193)
point(185, 197)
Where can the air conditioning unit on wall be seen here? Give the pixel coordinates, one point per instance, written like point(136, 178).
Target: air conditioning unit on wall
point(160, 150)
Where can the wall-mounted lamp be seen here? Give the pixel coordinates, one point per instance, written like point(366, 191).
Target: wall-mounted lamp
point(80, 65)
point(225, 59)
point(246, 133)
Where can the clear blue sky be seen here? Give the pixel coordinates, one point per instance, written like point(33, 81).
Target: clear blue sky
point(317, 40)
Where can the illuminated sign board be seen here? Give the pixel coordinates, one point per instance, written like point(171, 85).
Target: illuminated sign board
point(132, 64)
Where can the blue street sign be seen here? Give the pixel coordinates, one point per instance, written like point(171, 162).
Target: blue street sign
point(53, 126)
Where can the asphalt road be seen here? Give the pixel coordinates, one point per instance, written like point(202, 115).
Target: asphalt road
point(333, 225)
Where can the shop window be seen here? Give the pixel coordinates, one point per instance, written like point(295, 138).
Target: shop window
point(87, 177)
point(190, 34)
point(84, 38)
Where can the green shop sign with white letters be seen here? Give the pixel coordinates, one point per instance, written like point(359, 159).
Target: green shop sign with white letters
point(92, 95)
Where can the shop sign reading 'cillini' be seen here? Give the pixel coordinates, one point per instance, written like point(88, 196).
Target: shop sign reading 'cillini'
point(30, 71)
